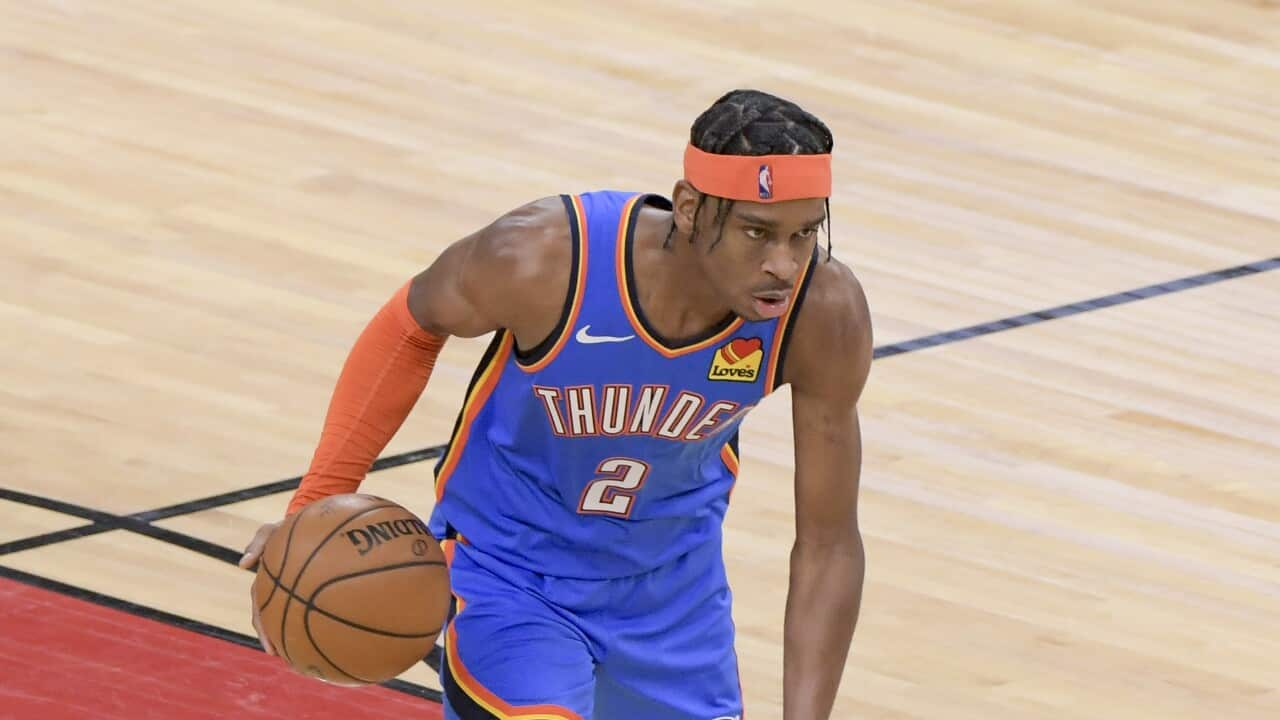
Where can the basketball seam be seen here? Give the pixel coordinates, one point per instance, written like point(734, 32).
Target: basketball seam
point(290, 590)
point(310, 605)
point(311, 602)
point(306, 627)
point(284, 556)
point(276, 582)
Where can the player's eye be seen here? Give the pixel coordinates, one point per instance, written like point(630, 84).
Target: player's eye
point(755, 233)
point(808, 232)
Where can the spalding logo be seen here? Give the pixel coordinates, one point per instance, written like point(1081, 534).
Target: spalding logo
point(371, 536)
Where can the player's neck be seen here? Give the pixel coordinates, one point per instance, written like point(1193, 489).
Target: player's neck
point(673, 295)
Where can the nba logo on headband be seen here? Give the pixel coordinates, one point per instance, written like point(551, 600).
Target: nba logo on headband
point(751, 178)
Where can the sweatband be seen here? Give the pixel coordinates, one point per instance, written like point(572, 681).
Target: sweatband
point(758, 178)
point(385, 373)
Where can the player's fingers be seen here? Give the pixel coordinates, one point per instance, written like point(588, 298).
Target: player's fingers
point(266, 644)
point(250, 557)
point(254, 549)
point(257, 627)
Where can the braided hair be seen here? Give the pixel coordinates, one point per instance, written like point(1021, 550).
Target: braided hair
point(751, 122)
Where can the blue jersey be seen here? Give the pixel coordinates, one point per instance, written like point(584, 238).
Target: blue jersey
point(608, 450)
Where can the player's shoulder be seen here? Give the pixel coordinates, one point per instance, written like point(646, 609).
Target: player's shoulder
point(515, 271)
point(527, 239)
point(833, 322)
point(523, 254)
point(835, 293)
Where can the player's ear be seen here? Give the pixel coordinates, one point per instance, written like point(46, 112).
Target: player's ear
point(684, 201)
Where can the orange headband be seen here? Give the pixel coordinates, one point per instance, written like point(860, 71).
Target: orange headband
point(758, 178)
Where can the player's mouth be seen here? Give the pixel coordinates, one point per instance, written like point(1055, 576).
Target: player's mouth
point(771, 304)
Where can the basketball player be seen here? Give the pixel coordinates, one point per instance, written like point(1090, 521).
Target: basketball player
point(582, 493)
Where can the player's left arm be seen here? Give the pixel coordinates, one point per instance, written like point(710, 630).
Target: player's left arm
point(827, 367)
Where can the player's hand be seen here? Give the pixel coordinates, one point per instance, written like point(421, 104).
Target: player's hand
point(250, 561)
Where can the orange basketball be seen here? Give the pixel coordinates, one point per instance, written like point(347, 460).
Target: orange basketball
point(352, 589)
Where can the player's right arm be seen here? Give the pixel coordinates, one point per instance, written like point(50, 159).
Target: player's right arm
point(502, 276)
point(512, 274)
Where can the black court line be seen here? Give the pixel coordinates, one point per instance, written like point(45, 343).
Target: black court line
point(258, 491)
point(51, 538)
point(104, 522)
point(57, 506)
point(178, 621)
point(141, 522)
point(135, 521)
point(900, 348)
point(1061, 311)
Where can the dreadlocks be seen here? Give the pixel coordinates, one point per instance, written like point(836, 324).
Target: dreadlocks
point(751, 122)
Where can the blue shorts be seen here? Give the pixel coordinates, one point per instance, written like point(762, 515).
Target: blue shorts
point(537, 647)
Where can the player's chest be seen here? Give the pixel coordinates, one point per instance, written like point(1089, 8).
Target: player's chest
point(618, 391)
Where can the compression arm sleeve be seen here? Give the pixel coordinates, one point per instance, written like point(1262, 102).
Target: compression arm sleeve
point(381, 381)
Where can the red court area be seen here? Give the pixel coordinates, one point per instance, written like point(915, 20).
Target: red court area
point(62, 658)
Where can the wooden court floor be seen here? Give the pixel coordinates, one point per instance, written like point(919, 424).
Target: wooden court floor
point(1073, 514)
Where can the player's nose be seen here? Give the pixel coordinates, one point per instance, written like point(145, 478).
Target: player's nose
point(782, 264)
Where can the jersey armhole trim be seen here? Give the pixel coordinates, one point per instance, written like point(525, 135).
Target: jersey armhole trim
point(783, 333)
point(543, 353)
point(624, 269)
point(483, 381)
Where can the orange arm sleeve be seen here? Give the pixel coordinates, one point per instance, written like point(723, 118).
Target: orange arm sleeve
point(381, 381)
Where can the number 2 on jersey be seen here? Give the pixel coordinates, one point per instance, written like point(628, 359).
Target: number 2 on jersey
point(613, 493)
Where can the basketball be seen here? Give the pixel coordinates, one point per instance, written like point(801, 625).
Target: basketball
point(352, 589)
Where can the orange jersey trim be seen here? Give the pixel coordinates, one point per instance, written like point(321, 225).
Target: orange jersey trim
point(484, 697)
point(730, 459)
point(784, 326)
point(624, 230)
point(579, 290)
point(476, 399)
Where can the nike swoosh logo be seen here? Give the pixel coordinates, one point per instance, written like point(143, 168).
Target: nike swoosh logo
point(588, 339)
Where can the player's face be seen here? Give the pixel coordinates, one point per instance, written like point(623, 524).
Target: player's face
point(762, 252)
